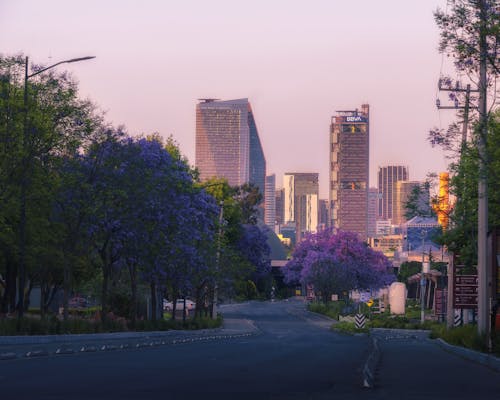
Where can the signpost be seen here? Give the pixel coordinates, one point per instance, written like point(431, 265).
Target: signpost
point(440, 301)
point(465, 291)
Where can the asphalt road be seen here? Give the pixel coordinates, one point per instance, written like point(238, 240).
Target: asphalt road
point(291, 354)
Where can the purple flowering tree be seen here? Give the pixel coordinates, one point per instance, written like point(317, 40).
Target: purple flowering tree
point(334, 262)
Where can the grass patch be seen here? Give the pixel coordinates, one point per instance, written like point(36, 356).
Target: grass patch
point(465, 336)
point(331, 309)
point(348, 328)
point(398, 322)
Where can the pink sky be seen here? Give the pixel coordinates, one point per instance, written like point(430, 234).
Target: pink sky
point(296, 61)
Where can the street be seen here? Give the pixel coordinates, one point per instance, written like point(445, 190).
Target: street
point(291, 354)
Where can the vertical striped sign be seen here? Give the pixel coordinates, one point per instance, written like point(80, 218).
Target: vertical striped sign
point(360, 320)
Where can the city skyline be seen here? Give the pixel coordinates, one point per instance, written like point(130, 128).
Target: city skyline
point(304, 62)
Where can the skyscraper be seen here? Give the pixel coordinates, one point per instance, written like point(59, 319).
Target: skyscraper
point(301, 201)
point(403, 191)
point(270, 202)
point(349, 168)
point(228, 144)
point(372, 211)
point(323, 214)
point(387, 178)
point(280, 206)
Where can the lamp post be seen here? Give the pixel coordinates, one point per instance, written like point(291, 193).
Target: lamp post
point(217, 261)
point(26, 162)
point(422, 281)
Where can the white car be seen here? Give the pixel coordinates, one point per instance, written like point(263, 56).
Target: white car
point(168, 306)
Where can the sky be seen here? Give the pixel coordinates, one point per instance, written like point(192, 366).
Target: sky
point(296, 61)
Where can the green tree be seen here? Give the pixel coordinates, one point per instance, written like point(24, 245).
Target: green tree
point(470, 34)
point(54, 123)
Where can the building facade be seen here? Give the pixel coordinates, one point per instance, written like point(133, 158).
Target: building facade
point(280, 206)
point(372, 211)
point(349, 170)
point(386, 179)
point(228, 144)
point(323, 214)
point(301, 203)
point(270, 202)
point(403, 191)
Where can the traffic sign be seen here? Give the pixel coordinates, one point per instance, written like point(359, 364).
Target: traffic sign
point(359, 320)
point(369, 303)
point(465, 291)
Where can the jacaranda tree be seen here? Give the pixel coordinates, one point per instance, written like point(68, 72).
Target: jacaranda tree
point(334, 262)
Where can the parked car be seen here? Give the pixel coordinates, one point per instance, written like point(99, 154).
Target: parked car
point(77, 302)
point(168, 306)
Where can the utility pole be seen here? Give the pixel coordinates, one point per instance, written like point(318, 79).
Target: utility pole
point(483, 324)
point(466, 107)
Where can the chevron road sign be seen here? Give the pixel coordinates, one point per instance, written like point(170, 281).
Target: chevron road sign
point(359, 320)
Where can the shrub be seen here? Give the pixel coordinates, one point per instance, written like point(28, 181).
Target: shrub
point(54, 326)
point(330, 309)
point(465, 336)
point(349, 328)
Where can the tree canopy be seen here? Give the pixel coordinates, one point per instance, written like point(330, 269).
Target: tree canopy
point(334, 262)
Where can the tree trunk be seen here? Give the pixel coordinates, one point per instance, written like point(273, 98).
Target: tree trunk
point(104, 294)
point(9, 296)
point(67, 288)
point(153, 301)
point(133, 288)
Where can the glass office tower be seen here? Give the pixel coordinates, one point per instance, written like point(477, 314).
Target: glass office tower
point(228, 143)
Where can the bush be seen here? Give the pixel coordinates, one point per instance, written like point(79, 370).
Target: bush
point(399, 322)
point(465, 336)
point(54, 326)
point(330, 309)
point(349, 328)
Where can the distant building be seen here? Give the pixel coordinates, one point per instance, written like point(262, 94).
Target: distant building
point(280, 206)
point(372, 211)
point(387, 178)
point(349, 170)
point(403, 190)
point(323, 214)
point(420, 233)
point(387, 244)
point(228, 144)
point(270, 202)
point(383, 227)
point(301, 201)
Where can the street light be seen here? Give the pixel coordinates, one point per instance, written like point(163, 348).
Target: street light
point(425, 269)
point(24, 179)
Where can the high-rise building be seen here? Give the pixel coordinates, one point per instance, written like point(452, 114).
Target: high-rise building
point(301, 202)
point(228, 144)
point(403, 191)
point(349, 169)
point(270, 202)
point(387, 178)
point(323, 214)
point(372, 211)
point(280, 206)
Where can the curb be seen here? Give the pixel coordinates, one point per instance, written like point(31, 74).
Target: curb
point(136, 340)
point(487, 360)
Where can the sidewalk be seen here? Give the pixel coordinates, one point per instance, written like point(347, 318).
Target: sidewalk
point(13, 347)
